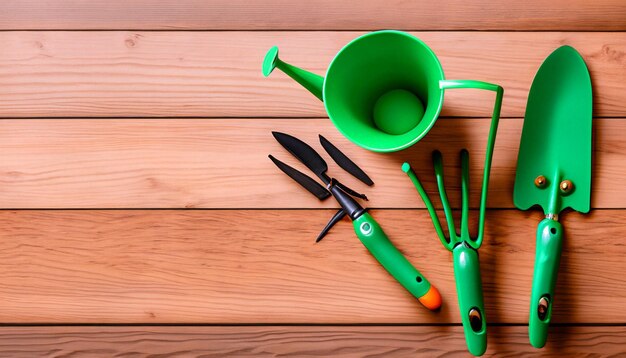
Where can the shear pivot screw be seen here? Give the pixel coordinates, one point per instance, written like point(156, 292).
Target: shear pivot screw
point(366, 228)
point(540, 181)
point(566, 186)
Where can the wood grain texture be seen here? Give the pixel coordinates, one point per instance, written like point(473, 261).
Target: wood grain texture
point(218, 74)
point(600, 15)
point(262, 266)
point(286, 341)
point(248, 274)
point(222, 163)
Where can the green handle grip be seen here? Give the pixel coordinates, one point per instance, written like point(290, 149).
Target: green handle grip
point(375, 240)
point(547, 259)
point(470, 294)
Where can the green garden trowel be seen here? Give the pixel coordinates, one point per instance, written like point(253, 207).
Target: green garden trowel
point(554, 168)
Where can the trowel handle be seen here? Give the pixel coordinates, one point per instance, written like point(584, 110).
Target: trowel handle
point(375, 240)
point(548, 256)
point(470, 295)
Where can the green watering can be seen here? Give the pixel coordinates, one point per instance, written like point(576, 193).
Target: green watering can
point(383, 90)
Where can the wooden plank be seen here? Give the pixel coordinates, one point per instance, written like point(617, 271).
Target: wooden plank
point(320, 15)
point(222, 163)
point(318, 341)
point(217, 74)
point(262, 266)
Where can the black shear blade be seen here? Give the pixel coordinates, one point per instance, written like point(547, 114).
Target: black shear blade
point(335, 219)
point(304, 180)
point(344, 162)
point(307, 155)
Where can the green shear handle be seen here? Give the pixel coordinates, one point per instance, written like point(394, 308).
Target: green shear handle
point(465, 248)
point(548, 256)
point(375, 240)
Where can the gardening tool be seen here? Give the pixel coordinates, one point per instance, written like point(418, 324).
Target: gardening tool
point(383, 90)
point(344, 162)
point(554, 168)
point(367, 229)
point(464, 248)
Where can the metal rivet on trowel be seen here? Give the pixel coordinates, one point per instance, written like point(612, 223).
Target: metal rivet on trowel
point(476, 321)
point(540, 182)
point(542, 309)
point(566, 186)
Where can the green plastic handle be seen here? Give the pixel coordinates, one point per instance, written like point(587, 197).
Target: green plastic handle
point(470, 295)
point(375, 240)
point(547, 259)
point(449, 84)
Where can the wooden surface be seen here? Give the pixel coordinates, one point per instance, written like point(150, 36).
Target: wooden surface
point(172, 163)
point(263, 266)
point(218, 74)
point(140, 215)
point(312, 341)
point(599, 15)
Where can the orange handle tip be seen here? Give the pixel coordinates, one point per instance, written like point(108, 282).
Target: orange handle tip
point(432, 299)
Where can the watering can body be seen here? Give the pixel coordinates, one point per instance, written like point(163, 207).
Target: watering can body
point(382, 90)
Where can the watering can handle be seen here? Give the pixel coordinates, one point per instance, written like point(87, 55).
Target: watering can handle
point(450, 84)
point(470, 297)
point(495, 118)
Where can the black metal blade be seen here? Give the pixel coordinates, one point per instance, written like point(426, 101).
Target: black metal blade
point(344, 162)
point(335, 219)
point(304, 180)
point(350, 191)
point(307, 155)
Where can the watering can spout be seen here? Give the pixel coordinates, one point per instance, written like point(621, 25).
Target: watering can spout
point(312, 82)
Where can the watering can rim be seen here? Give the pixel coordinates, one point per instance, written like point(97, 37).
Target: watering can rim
point(425, 131)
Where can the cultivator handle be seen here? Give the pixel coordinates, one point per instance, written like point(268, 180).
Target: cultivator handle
point(470, 296)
